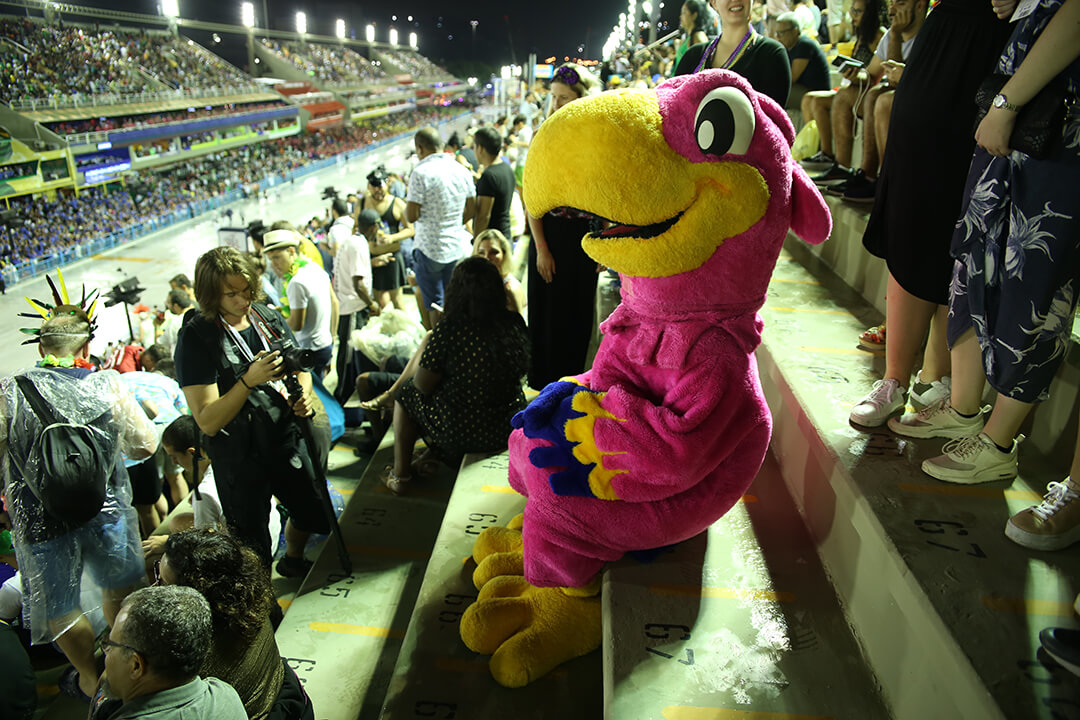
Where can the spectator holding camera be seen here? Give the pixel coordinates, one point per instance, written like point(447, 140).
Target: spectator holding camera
point(230, 362)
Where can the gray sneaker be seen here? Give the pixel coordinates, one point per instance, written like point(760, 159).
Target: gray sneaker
point(885, 398)
point(929, 393)
point(1053, 524)
point(973, 460)
point(938, 420)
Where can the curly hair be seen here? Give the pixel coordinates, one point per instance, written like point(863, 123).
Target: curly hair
point(230, 577)
point(211, 270)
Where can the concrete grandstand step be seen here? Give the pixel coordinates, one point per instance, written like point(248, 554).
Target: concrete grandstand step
point(947, 609)
point(342, 633)
point(740, 621)
point(436, 675)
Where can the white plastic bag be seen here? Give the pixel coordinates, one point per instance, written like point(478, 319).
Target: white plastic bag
point(392, 332)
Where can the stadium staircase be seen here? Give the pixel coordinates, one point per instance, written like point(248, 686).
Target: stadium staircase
point(845, 584)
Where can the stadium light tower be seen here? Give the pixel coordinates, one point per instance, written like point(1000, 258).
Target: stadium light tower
point(393, 36)
point(339, 28)
point(369, 33)
point(247, 14)
point(170, 8)
point(412, 40)
point(301, 22)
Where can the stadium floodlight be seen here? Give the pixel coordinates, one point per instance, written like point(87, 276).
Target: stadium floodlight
point(393, 36)
point(412, 40)
point(369, 33)
point(301, 22)
point(339, 28)
point(247, 14)
point(170, 8)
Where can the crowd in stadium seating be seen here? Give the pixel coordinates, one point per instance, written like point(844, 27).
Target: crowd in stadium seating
point(328, 64)
point(415, 64)
point(56, 60)
point(74, 127)
point(55, 226)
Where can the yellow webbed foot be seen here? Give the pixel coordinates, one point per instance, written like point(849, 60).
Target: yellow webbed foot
point(529, 631)
point(498, 551)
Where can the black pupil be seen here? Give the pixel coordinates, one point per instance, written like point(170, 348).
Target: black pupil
point(719, 114)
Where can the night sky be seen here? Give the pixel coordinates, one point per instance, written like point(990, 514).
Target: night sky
point(506, 31)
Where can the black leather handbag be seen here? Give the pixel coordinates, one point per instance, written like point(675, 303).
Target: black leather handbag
point(1039, 124)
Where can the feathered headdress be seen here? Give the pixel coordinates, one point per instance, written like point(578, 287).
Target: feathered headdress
point(61, 305)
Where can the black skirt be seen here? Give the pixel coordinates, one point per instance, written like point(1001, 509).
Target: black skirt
point(930, 143)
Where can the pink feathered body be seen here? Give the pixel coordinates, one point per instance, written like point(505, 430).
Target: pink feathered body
point(678, 371)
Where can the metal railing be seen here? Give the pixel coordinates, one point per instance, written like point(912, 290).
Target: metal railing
point(108, 99)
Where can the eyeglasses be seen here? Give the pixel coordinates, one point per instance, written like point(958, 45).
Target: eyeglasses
point(567, 75)
point(106, 643)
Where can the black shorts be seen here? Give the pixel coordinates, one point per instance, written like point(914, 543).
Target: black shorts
point(145, 482)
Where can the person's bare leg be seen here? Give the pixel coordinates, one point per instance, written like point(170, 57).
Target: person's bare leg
point(77, 644)
point(1074, 471)
point(397, 297)
point(882, 113)
point(1005, 420)
point(936, 359)
point(148, 518)
point(383, 298)
point(425, 320)
point(843, 124)
point(909, 321)
point(295, 540)
point(822, 109)
point(405, 437)
point(870, 160)
point(968, 376)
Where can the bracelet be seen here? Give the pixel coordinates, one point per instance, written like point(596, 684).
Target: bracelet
point(244, 383)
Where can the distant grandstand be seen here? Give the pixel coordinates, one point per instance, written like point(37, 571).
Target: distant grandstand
point(115, 123)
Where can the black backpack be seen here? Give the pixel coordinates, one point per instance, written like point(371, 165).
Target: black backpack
point(74, 463)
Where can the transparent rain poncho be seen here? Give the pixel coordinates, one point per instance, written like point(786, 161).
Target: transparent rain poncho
point(52, 556)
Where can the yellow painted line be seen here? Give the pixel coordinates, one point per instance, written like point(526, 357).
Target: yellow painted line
point(343, 629)
point(342, 448)
point(284, 604)
point(684, 712)
point(48, 690)
point(388, 552)
point(722, 593)
point(506, 489)
point(1028, 606)
point(840, 351)
point(345, 491)
point(795, 282)
point(963, 491)
point(810, 310)
point(121, 258)
point(748, 498)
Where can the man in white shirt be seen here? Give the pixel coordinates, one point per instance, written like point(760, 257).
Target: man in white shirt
point(341, 226)
point(178, 304)
point(312, 306)
point(441, 199)
point(352, 283)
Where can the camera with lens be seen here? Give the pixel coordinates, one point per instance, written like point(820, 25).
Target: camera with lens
point(294, 359)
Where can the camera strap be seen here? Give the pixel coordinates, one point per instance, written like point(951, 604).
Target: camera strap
point(263, 331)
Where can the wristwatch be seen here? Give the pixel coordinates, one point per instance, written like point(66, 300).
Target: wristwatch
point(1000, 101)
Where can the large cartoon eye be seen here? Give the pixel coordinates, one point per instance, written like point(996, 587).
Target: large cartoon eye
point(724, 122)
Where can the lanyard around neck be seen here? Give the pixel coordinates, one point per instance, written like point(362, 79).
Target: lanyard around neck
point(735, 55)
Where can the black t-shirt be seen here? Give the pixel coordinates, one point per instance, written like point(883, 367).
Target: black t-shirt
point(765, 65)
point(199, 349)
point(816, 74)
point(498, 182)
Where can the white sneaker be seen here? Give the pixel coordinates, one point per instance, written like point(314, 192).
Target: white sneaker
point(973, 460)
point(937, 420)
point(1053, 524)
point(883, 400)
point(931, 392)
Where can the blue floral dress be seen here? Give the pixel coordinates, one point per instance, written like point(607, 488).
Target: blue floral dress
point(1017, 246)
